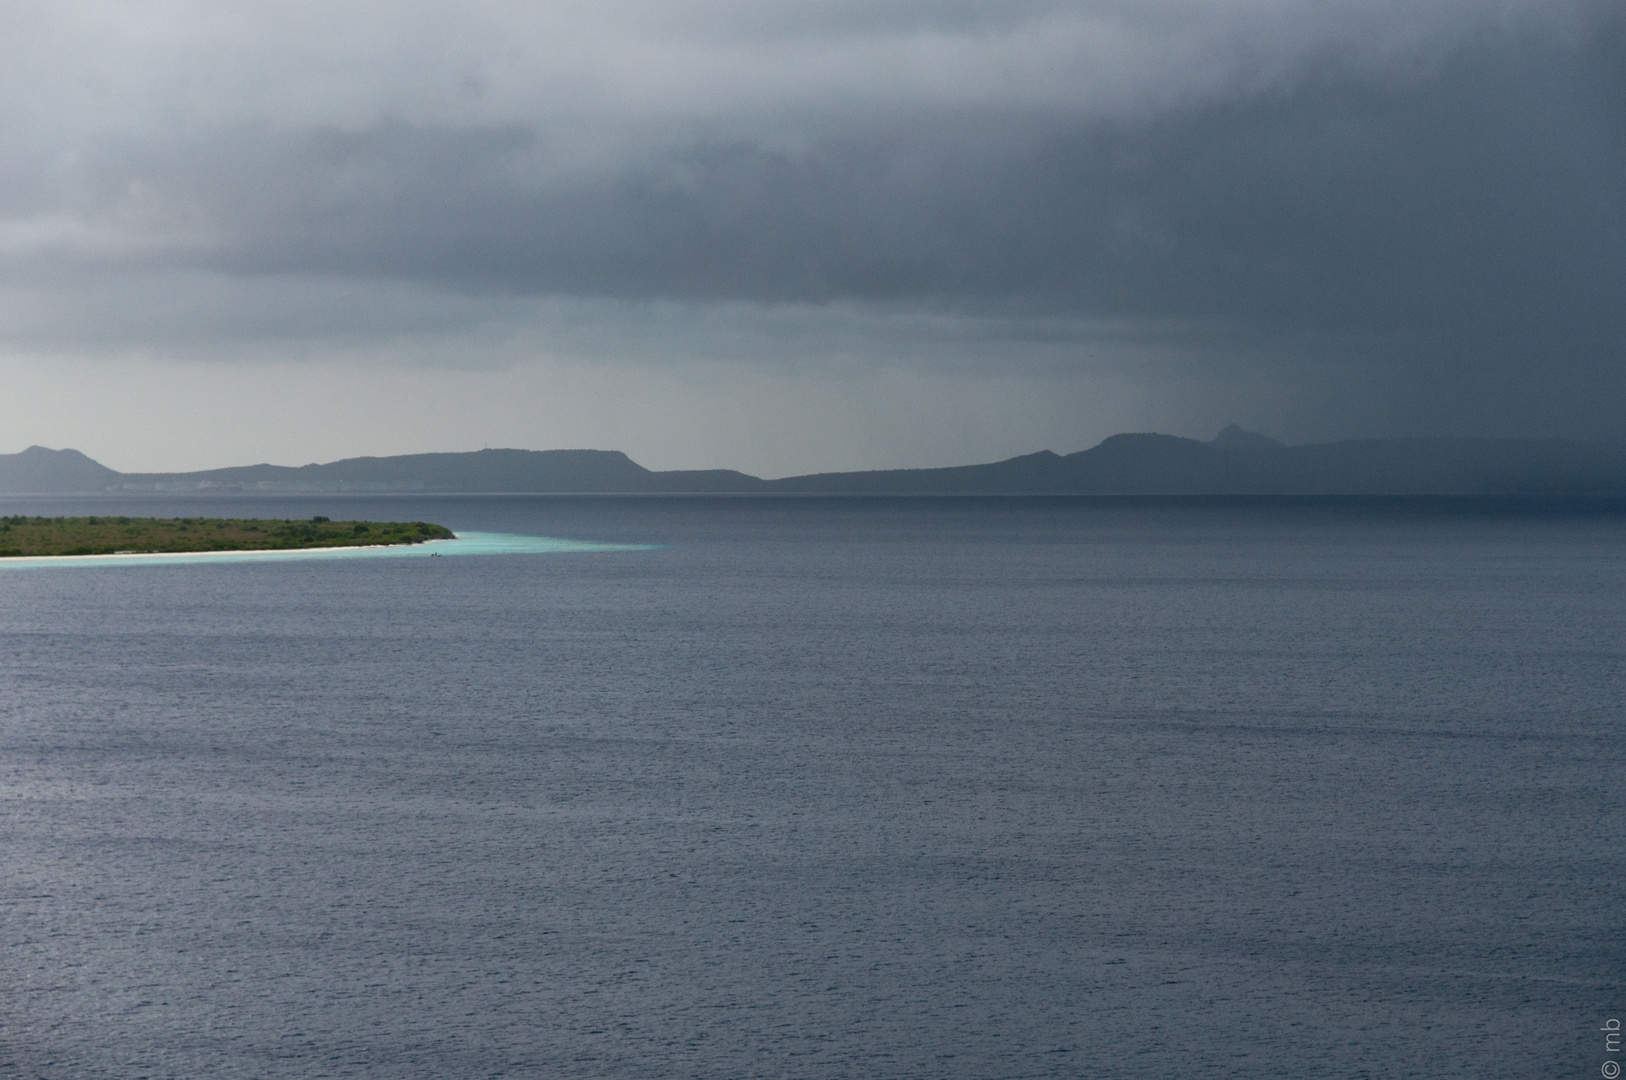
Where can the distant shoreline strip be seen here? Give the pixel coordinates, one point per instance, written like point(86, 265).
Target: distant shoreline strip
point(465, 543)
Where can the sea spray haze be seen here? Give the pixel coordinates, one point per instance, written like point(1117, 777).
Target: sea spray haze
point(824, 787)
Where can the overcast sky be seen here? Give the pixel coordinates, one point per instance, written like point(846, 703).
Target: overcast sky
point(794, 236)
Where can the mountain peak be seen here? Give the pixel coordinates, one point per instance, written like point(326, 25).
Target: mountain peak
point(37, 452)
point(1233, 437)
point(41, 469)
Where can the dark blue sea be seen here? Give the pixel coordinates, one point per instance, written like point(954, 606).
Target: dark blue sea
point(926, 788)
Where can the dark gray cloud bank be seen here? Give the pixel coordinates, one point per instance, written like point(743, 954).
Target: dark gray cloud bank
point(1412, 216)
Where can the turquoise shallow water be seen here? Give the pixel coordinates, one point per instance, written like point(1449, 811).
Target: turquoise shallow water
point(466, 543)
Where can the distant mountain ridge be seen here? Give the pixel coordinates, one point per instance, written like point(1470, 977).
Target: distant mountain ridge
point(51, 471)
point(1236, 462)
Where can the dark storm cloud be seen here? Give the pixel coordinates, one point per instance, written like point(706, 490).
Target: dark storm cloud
point(1448, 222)
point(1485, 194)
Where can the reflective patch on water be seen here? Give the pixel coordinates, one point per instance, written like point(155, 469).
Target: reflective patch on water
point(465, 543)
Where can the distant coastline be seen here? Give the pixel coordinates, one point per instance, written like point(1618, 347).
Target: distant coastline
point(23, 537)
point(1236, 462)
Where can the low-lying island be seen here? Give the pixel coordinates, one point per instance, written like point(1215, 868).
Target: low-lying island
point(22, 536)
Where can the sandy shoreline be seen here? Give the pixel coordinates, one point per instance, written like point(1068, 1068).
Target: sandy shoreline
point(232, 551)
point(463, 544)
point(236, 553)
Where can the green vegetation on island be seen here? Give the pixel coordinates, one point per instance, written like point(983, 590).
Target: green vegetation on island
point(22, 536)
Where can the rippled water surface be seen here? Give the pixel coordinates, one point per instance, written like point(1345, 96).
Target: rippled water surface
point(824, 788)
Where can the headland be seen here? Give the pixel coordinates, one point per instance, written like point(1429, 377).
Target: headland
point(22, 536)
